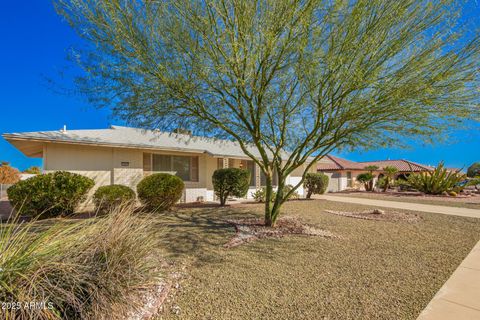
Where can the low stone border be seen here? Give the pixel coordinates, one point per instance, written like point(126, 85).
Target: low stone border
point(154, 298)
point(378, 215)
point(251, 229)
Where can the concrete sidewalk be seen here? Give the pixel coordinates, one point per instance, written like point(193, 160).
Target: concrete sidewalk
point(464, 212)
point(459, 297)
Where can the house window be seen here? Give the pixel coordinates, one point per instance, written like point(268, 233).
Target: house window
point(184, 167)
point(349, 179)
point(250, 166)
point(263, 178)
point(219, 163)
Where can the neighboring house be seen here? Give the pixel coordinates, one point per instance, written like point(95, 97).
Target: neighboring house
point(404, 167)
point(123, 155)
point(343, 172)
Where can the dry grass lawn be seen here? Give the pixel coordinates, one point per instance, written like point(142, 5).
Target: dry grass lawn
point(376, 270)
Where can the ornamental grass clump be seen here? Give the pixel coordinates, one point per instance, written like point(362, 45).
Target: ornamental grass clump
point(78, 269)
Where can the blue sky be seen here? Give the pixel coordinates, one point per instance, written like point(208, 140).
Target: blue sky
point(34, 46)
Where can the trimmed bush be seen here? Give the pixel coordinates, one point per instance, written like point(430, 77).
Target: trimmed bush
point(230, 182)
point(160, 191)
point(107, 198)
point(315, 183)
point(50, 195)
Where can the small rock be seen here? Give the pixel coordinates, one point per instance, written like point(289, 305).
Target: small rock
point(176, 310)
point(378, 211)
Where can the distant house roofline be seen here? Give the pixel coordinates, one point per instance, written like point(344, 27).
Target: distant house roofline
point(343, 164)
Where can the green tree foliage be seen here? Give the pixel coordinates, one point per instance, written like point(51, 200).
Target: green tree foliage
point(288, 80)
point(437, 181)
point(50, 195)
point(33, 170)
point(474, 170)
point(160, 191)
point(389, 173)
point(367, 179)
point(315, 183)
point(108, 198)
point(230, 182)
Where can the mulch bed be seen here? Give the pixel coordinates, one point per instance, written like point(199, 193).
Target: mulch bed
point(378, 215)
point(251, 229)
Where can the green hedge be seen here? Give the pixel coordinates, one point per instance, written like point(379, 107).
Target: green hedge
point(315, 183)
point(230, 182)
point(160, 191)
point(107, 198)
point(50, 195)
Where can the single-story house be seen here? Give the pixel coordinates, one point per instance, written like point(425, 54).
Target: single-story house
point(343, 172)
point(124, 155)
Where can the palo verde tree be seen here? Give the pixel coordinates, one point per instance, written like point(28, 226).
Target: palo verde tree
point(288, 80)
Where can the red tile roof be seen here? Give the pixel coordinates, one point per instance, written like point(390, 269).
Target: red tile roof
point(402, 165)
point(337, 163)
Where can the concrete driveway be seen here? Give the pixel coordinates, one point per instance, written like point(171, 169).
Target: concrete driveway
point(464, 212)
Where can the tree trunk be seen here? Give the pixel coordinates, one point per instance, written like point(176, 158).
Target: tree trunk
point(309, 194)
point(273, 211)
point(387, 183)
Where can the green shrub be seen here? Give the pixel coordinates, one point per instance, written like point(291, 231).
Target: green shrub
point(474, 170)
point(33, 170)
point(389, 177)
point(160, 191)
point(381, 183)
point(315, 183)
point(259, 194)
point(50, 195)
point(367, 180)
point(107, 198)
point(84, 269)
point(294, 195)
point(230, 182)
point(436, 181)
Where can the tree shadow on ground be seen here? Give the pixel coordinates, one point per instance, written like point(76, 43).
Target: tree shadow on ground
point(198, 234)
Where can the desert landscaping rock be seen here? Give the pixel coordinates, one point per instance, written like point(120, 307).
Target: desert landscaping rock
point(251, 229)
point(378, 214)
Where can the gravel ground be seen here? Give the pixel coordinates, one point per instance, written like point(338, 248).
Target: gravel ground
point(374, 270)
point(472, 202)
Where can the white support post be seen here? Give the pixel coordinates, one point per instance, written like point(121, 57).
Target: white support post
point(257, 176)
